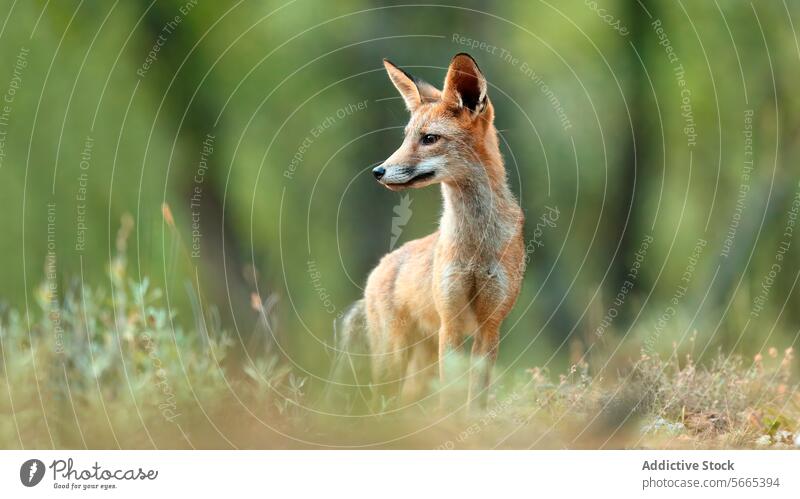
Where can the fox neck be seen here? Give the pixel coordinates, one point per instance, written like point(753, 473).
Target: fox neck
point(480, 214)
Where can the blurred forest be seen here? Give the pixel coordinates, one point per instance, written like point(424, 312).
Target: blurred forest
point(652, 145)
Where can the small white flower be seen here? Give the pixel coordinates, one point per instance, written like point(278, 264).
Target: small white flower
point(783, 436)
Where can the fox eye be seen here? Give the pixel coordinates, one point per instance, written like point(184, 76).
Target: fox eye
point(429, 139)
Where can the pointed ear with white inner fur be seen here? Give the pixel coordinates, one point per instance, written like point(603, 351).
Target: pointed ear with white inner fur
point(465, 85)
point(413, 90)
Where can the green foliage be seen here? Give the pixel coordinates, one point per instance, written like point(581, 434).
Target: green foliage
point(113, 366)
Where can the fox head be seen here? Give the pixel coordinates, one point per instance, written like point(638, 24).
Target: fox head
point(450, 137)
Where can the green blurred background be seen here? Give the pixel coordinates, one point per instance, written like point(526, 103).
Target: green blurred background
point(632, 119)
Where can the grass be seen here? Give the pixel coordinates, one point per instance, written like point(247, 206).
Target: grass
point(130, 375)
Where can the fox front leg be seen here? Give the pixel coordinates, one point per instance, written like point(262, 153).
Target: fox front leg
point(452, 299)
point(484, 355)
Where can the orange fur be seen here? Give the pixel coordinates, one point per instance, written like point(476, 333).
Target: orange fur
point(424, 298)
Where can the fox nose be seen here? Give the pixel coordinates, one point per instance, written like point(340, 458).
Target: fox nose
point(379, 172)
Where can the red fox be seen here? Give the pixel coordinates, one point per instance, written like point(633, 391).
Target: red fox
point(426, 297)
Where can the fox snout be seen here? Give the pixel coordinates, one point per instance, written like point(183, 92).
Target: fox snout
point(399, 177)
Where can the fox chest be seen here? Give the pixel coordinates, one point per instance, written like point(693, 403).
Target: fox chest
point(470, 284)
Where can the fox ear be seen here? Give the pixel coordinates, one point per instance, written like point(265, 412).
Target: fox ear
point(465, 85)
point(413, 90)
